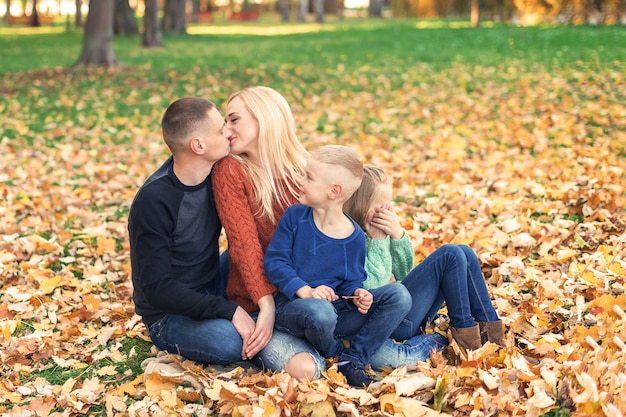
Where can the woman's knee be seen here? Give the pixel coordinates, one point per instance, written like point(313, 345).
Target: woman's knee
point(302, 366)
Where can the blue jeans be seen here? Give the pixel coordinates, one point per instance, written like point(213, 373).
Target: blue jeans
point(217, 341)
point(418, 348)
point(452, 274)
point(322, 323)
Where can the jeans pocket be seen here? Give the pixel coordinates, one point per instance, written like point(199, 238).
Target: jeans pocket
point(156, 331)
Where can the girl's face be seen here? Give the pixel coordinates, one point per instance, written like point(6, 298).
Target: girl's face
point(241, 129)
point(382, 196)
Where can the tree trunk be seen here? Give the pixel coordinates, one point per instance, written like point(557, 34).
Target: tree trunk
point(375, 8)
point(151, 29)
point(476, 13)
point(174, 20)
point(195, 10)
point(34, 16)
point(7, 13)
point(304, 10)
point(283, 9)
point(98, 37)
point(78, 22)
point(319, 10)
point(124, 22)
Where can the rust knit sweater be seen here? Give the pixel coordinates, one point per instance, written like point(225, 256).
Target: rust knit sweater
point(248, 233)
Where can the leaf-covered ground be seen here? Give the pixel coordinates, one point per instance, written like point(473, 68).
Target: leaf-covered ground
point(525, 163)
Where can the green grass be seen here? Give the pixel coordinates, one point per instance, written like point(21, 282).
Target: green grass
point(352, 43)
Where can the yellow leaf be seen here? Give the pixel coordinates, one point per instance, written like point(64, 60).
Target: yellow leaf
point(107, 370)
point(169, 398)
point(617, 268)
point(106, 245)
point(50, 284)
point(92, 302)
point(319, 409)
point(404, 407)
point(590, 277)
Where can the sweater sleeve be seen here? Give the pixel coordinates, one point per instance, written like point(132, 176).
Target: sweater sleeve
point(377, 262)
point(233, 193)
point(402, 256)
point(279, 262)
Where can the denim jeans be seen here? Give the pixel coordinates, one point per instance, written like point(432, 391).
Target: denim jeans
point(452, 274)
point(418, 348)
point(322, 323)
point(217, 341)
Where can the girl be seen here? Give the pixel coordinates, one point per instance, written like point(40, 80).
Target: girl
point(452, 273)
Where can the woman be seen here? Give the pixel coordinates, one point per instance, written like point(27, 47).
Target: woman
point(252, 189)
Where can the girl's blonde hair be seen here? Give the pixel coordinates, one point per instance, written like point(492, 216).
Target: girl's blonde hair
point(282, 156)
point(359, 205)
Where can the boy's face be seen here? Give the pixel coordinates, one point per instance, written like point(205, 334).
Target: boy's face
point(216, 144)
point(315, 186)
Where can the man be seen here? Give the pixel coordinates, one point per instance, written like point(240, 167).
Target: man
point(174, 230)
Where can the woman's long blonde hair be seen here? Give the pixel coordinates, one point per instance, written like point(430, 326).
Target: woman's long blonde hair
point(282, 156)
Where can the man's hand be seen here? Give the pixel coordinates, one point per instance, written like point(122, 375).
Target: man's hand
point(364, 300)
point(244, 325)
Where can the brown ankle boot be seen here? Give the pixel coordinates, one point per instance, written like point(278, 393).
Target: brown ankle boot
point(492, 331)
point(467, 338)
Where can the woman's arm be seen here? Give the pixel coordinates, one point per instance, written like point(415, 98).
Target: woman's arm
point(234, 198)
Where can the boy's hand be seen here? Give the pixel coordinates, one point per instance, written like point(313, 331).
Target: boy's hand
point(322, 292)
point(364, 300)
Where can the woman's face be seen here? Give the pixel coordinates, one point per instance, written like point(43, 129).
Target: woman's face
point(382, 196)
point(241, 129)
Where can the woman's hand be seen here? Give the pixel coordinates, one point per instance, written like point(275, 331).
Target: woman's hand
point(386, 220)
point(263, 329)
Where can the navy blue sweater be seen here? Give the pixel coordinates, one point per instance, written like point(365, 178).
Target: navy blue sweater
point(300, 254)
point(174, 249)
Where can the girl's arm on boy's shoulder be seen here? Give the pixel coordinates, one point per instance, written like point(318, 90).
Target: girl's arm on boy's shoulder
point(402, 256)
point(378, 262)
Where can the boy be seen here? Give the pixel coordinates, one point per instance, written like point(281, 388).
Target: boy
point(316, 259)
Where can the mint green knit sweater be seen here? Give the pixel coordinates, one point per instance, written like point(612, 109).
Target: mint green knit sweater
point(386, 256)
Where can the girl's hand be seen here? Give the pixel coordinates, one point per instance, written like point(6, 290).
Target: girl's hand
point(386, 219)
point(374, 232)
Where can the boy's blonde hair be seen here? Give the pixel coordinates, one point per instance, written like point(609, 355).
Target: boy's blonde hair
point(360, 203)
point(283, 157)
point(342, 157)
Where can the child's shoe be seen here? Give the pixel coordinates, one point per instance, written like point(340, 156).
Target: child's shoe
point(355, 375)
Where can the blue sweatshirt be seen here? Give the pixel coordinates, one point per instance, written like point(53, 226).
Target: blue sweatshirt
point(300, 254)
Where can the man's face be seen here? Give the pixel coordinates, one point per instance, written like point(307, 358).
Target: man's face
point(216, 143)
